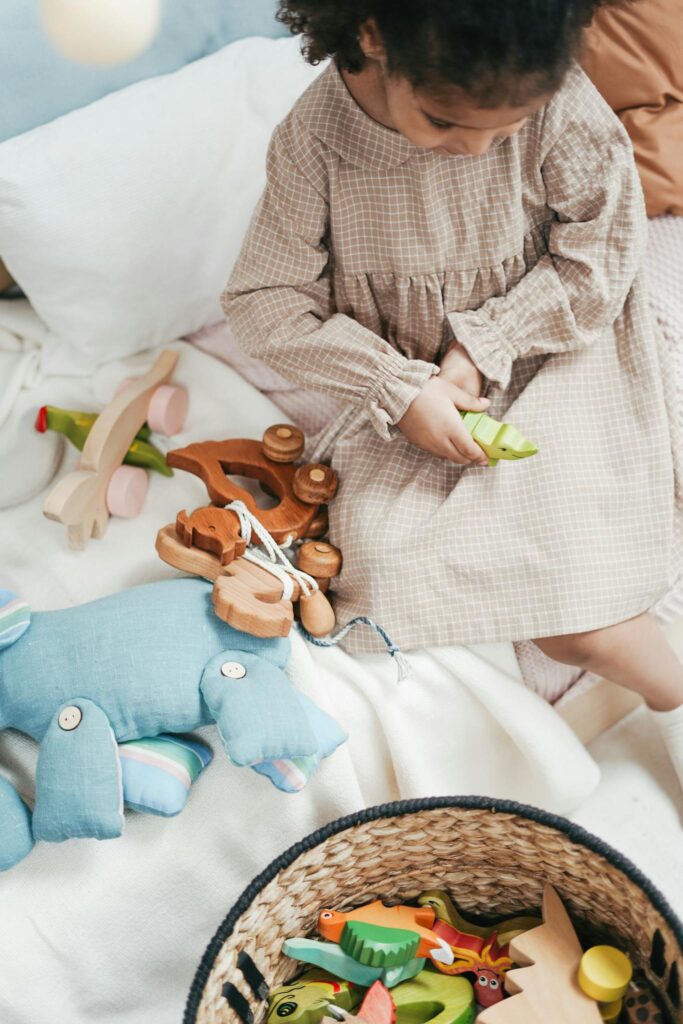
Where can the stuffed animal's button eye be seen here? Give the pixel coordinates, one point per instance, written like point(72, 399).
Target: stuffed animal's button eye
point(70, 718)
point(233, 670)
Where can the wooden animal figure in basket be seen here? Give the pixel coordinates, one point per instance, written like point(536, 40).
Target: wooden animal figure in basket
point(482, 951)
point(208, 542)
point(376, 927)
point(545, 988)
point(377, 1008)
point(429, 998)
point(102, 485)
point(485, 959)
point(306, 999)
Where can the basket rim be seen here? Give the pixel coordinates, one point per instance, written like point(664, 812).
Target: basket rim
point(399, 808)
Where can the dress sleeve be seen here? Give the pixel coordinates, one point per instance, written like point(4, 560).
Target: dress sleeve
point(595, 241)
point(280, 298)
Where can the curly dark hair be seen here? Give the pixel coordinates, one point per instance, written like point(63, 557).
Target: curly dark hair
point(488, 49)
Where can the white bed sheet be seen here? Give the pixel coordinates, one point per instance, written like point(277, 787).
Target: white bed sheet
point(112, 932)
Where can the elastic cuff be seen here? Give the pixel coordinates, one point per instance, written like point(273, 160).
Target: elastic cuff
point(485, 343)
point(393, 392)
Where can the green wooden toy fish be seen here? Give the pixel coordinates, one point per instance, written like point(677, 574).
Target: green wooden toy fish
point(77, 425)
point(499, 440)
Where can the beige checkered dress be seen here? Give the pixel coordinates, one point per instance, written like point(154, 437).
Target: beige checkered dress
point(365, 258)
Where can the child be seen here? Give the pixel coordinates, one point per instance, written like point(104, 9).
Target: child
point(452, 210)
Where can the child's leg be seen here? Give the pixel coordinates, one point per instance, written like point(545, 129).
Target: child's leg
point(637, 655)
point(634, 653)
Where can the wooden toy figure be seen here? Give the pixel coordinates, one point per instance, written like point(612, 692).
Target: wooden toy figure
point(485, 960)
point(545, 989)
point(448, 914)
point(605, 974)
point(375, 926)
point(377, 1008)
point(77, 425)
point(428, 998)
point(390, 965)
point(499, 440)
point(479, 950)
point(306, 1000)
point(101, 485)
point(252, 593)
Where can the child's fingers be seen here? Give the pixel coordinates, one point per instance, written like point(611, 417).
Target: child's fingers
point(454, 454)
point(467, 446)
point(468, 449)
point(464, 400)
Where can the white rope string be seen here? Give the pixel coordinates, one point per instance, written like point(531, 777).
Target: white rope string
point(274, 560)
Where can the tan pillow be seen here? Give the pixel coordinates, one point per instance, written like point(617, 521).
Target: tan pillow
point(6, 279)
point(634, 55)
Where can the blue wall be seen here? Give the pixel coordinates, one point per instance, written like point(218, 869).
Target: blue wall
point(37, 84)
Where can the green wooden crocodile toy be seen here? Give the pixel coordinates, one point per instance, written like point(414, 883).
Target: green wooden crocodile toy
point(77, 425)
point(499, 440)
point(429, 998)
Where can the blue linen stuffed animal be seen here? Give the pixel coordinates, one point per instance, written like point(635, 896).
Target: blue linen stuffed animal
point(150, 660)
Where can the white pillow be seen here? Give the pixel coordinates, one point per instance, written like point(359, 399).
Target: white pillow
point(121, 221)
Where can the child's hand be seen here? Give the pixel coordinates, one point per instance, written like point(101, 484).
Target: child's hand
point(458, 368)
point(434, 424)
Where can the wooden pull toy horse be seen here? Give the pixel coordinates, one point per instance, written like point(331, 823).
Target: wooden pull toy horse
point(213, 540)
point(101, 485)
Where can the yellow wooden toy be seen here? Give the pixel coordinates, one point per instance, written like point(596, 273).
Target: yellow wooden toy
point(605, 973)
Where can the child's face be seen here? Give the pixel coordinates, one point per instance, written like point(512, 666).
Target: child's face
point(455, 126)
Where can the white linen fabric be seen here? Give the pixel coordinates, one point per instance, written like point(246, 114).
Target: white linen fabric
point(121, 221)
point(113, 931)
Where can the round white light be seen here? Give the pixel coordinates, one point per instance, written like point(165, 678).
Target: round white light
point(100, 31)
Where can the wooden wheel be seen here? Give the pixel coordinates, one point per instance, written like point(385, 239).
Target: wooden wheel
point(127, 491)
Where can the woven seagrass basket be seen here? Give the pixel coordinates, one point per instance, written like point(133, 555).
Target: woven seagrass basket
point(492, 856)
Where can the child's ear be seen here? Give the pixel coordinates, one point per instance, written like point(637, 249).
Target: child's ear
point(370, 40)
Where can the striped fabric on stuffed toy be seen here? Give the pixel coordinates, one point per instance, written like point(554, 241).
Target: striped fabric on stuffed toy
point(157, 772)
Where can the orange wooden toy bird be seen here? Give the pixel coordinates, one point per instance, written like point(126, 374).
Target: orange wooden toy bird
point(419, 920)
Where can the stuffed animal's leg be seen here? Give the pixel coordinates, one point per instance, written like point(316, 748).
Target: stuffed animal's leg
point(16, 841)
point(256, 708)
point(78, 779)
point(291, 775)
